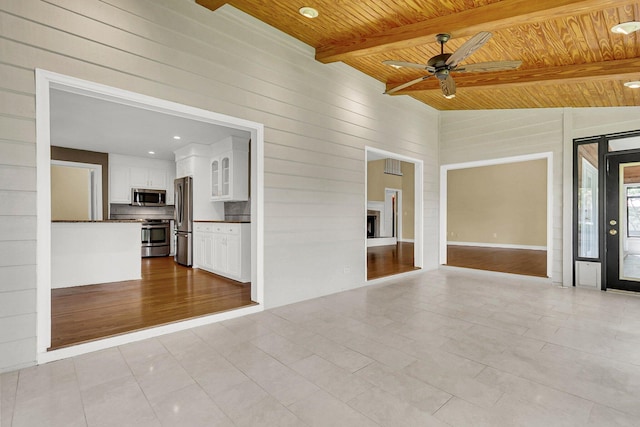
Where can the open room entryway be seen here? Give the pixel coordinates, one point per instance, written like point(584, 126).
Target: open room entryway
point(496, 215)
point(111, 270)
point(393, 212)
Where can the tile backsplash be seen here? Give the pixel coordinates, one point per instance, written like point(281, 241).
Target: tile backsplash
point(122, 211)
point(237, 211)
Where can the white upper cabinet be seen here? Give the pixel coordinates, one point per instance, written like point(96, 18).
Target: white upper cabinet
point(127, 172)
point(143, 177)
point(119, 189)
point(230, 170)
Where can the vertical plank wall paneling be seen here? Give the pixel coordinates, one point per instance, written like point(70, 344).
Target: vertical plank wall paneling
point(318, 119)
point(467, 136)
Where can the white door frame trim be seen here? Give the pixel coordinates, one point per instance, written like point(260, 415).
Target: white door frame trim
point(398, 191)
point(46, 80)
point(418, 217)
point(516, 159)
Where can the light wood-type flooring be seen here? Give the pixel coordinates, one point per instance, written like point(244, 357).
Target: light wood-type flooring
point(167, 293)
point(515, 261)
point(388, 260)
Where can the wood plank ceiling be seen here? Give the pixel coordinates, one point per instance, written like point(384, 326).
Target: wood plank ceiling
point(570, 57)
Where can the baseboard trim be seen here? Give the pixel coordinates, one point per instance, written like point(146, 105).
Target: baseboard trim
point(498, 245)
point(381, 241)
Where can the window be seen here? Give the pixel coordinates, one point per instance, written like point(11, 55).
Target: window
point(633, 211)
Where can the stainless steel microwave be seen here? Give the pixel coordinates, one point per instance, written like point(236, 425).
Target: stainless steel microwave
point(147, 197)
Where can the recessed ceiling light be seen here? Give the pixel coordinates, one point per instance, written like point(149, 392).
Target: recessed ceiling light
point(176, 137)
point(152, 152)
point(626, 27)
point(633, 85)
point(308, 12)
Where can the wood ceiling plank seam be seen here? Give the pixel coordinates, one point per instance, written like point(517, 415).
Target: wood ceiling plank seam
point(584, 52)
point(595, 24)
point(552, 35)
point(632, 13)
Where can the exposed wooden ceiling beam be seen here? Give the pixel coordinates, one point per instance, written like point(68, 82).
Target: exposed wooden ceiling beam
point(212, 4)
point(611, 70)
point(492, 17)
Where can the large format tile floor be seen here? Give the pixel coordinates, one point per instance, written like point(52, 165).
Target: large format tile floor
point(441, 348)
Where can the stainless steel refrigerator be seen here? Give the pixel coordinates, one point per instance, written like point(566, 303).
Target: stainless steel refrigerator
point(184, 220)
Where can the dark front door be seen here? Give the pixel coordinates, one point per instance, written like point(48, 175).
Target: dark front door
point(622, 221)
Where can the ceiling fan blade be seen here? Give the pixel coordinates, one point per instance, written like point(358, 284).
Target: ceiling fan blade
point(409, 65)
point(468, 47)
point(489, 66)
point(448, 87)
point(405, 85)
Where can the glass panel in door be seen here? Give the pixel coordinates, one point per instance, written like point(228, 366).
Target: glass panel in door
point(588, 244)
point(623, 222)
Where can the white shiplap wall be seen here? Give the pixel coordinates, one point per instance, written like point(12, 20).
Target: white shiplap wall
point(318, 119)
point(467, 136)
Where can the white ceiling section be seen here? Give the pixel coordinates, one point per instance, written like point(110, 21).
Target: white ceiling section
point(94, 124)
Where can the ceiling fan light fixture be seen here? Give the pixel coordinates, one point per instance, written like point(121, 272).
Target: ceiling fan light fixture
point(626, 27)
point(308, 12)
point(633, 85)
point(453, 95)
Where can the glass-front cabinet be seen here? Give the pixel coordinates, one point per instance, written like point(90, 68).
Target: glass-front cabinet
point(215, 178)
point(230, 170)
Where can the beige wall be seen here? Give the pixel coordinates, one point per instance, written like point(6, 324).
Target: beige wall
point(70, 194)
point(90, 157)
point(499, 204)
point(377, 181)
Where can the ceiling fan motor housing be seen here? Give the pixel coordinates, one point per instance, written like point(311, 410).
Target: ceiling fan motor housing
point(439, 63)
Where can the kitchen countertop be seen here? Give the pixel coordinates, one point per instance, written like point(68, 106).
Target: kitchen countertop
point(223, 221)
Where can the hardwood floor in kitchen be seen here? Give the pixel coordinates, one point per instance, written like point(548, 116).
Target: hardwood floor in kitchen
point(388, 260)
point(516, 261)
point(167, 293)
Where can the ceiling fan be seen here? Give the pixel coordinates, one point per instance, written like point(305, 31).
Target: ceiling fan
point(443, 64)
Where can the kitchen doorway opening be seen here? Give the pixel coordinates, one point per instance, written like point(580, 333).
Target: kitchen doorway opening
point(393, 212)
point(46, 82)
point(76, 191)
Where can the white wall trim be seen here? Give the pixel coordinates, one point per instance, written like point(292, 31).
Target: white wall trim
point(498, 245)
point(498, 274)
point(444, 169)
point(45, 80)
point(398, 191)
point(567, 198)
point(96, 345)
point(381, 241)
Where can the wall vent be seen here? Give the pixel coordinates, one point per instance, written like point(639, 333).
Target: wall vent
point(392, 167)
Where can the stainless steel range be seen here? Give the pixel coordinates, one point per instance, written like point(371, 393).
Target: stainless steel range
point(155, 237)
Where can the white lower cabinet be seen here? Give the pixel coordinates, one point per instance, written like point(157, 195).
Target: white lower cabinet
point(223, 249)
point(203, 247)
